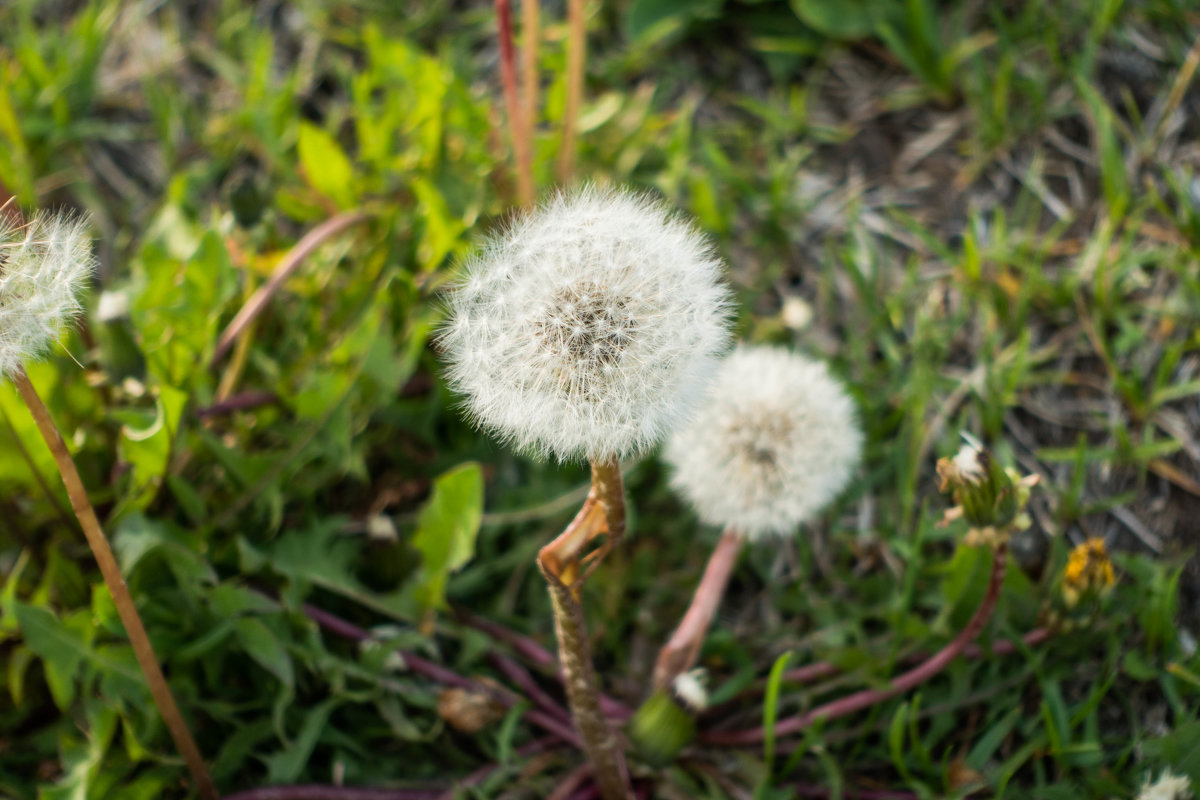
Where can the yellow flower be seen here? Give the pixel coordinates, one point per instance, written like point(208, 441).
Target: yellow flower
point(1088, 571)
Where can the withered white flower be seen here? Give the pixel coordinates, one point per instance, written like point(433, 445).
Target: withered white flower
point(588, 327)
point(776, 439)
point(43, 267)
point(1167, 787)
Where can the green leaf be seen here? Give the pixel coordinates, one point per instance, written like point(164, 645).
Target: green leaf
point(62, 648)
point(146, 443)
point(326, 166)
point(841, 19)
point(446, 530)
point(770, 712)
point(656, 19)
point(262, 645)
point(286, 765)
point(137, 536)
point(1179, 750)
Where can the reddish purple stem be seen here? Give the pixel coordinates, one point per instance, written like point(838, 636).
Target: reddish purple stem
point(536, 655)
point(312, 791)
point(855, 794)
point(902, 683)
point(824, 669)
point(436, 672)
point(238, 402)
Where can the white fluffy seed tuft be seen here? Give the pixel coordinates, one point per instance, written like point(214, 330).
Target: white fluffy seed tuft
point(43, 267)
point(1167, 787)
point(776, 439)
point(588, 327)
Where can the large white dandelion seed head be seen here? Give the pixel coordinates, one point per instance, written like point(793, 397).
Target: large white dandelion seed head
point(588, 327)
point(776, 439)
point(43, 267)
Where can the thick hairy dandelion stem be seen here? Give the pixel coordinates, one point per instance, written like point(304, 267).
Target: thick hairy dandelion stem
point(563, 563)
point(899, 685)
point(127, 611)
point(679, 654)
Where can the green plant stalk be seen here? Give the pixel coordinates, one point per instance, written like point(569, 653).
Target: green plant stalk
point(562, 564)
point(576, 56)
point(126, 609)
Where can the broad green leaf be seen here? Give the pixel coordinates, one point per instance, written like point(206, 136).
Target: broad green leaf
point(286, 765)
point(655, 19)
point(841, 19)
point(261, 643)
point(137, 536)
point(326, 166)
point(61, 646)
point(1180, 750)
point(446, 530)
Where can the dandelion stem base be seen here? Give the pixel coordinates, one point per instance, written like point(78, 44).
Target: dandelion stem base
point(566, 566)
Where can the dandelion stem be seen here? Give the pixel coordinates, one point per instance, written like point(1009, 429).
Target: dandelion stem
point(902, 683)
point(576, 54)
point(512, 105)
point(126, 609)
point(565, 567)
point(679, 654)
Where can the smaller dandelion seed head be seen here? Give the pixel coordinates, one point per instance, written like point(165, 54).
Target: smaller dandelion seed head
point(1167, 787)
point(43, 267)
point(588, 327)
point(776, 439)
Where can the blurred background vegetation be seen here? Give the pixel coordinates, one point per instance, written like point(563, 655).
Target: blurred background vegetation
point(986, 215)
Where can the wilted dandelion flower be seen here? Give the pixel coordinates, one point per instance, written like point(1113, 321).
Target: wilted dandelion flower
point(775, 441)
point(1167, 787)
point(1089, 571)
point(588, 326)
point(43, 265)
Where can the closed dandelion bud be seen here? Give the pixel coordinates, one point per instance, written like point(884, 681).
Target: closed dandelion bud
point(588, 328)
point(990, 498)
point(43, 267)
point(980, 486)
point(776, 439)
point(666, 722)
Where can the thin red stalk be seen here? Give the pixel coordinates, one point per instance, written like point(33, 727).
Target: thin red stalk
point(803, 790)
point(902, 683)
point(238, 402)
point(516, 127)
point(536, 655)
point(680, 652)
point(565, 790)
point(525, 682)
point(294, 258)
point(446, 677)
point(312, 791)
point(480, 775)
point(524, 646)
point(824, 669)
